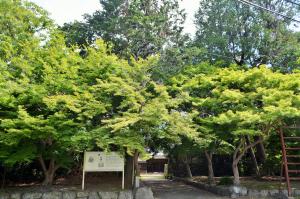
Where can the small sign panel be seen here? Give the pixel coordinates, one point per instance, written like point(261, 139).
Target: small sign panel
point(101, 161)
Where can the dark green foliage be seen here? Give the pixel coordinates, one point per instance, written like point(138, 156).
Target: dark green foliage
point(226, 180)
point(246, 35)
point(79, 32)
point(134, 28)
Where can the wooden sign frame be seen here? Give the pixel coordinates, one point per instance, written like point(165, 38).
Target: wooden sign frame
point(95, 161)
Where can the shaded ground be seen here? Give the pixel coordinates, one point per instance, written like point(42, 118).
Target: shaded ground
point(176, 190)
point(268, 182)
point(166, 189)
point(94, 182)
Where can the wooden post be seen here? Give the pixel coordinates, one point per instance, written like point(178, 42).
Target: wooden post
point(123, 180)
point(284, 158)
point(83, 171)
point(83, 176)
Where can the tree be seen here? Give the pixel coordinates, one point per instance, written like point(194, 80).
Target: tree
point(186, 95)
point(55, 103)
point(30, 128)
point(246, 35)
point(183, 152)
point(79, 32)
point(147, 113)
point(135, 28)
point(174, 60)
point(30, 19)
point(234, 106)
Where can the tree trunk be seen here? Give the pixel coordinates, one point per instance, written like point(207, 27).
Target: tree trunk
point(48, 177)
point(237, 156)
point(211, 175)
point(49, 173)
point(253, 158)
point(171, 164)
point(129, 171)
point(235, 161)
point(236, 174)
point(136, 163)
point(261, 153)
point(188, 168)
point(3, 178)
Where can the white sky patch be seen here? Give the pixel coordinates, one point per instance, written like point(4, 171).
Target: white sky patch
point(63, 11)
point(191, 7)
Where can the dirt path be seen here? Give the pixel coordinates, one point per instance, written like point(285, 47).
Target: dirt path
point(166, 189)
point(177, 190)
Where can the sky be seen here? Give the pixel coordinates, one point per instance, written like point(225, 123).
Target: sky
point(63, 11)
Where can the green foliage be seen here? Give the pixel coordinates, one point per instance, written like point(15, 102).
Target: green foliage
point(45, 73)
point(240, 99)
point(55, 103)
point(174, 60)
point(77, 33)
point(30, 19)
point(243, 34)
point(135, 28)
point(226, 180)
point(231, 105)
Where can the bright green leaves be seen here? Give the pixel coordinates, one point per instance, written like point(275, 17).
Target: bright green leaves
point(56, 101)
point(6, 47)
point(70, 102)
point(125, 121)
point(239, 122)
point(230, 104)
point(232, 96)
point(65, 103)
point(143, 109)
point(38, 72)
point(257, 93)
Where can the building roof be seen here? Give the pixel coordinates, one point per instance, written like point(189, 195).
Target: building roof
point(157, 156)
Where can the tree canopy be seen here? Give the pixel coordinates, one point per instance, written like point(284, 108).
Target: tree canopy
point(232, 105)
point(134, 28)
point(126, 79)
point(247, 35)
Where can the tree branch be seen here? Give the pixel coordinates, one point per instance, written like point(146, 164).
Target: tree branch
point(208, 154)
point(56, 167)
point(42, 162)
point(239, 157)
point(237, 150)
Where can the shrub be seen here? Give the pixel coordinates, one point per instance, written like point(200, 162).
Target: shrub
point(226, 180)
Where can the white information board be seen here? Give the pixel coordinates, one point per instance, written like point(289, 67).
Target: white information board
point(103, 162)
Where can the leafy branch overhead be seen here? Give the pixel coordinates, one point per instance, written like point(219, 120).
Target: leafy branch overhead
point(127, 79)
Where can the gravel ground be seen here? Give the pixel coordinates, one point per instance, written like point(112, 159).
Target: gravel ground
point(176, 190)
point(167, 189)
